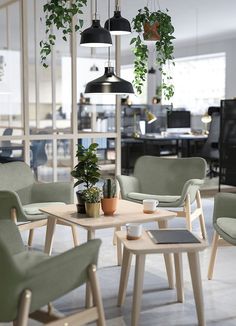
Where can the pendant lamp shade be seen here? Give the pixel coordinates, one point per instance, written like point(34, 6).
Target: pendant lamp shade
point(96, 36)
point(109, 83)
point(118, 24)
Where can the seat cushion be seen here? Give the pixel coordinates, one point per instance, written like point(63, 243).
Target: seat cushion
point(137, 196)
point(228, 225)
point(33, 210)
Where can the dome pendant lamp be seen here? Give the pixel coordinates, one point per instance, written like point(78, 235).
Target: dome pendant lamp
point(118, 24)
point(109, 83)
point(96, 36)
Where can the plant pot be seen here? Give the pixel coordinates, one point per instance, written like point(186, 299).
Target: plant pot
point(81, 202)
point(109, 205)
point(92, 209)
point(150, 32)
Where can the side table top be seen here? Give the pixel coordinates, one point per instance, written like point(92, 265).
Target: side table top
point(127, 212)
point(145, 245)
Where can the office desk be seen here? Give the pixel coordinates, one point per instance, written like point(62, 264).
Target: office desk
point(181, 143)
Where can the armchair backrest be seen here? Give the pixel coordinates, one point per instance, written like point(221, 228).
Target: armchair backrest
point(10, 244)
point(166, 176)
point(18, 177)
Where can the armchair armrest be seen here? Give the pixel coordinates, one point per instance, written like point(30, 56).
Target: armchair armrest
point(190, 188)
point(224, 206)
point(8, 201)
point(56, 276)
point(52, 192)
point(128, 184)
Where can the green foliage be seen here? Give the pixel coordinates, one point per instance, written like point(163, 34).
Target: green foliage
point(92, 195)
point(59, 14)
point(164, 48)
point(109, 188)
point(86, 171)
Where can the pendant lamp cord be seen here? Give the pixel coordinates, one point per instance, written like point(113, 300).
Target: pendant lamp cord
point(96, 9)
point(109, 27)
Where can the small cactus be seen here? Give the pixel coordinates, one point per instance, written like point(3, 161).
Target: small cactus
point(109, 188)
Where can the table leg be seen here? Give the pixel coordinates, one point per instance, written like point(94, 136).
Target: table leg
point(179, 277)
point(119, 248)
point(51, 224)
point(163, 224)
point(124, 276)
point(138, 288)
point(194, 265)
point(88, 295)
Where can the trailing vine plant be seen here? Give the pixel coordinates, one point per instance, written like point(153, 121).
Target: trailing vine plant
point(161, 23)
point(59, 14)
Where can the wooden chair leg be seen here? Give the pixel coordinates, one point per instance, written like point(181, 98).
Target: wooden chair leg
point(30, 238)
point(24, 308)
point(201, 216)
point(96, 295)
point(187, 208)
point(216, 238)
point(75, 235)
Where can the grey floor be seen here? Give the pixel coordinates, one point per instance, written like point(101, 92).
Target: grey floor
point(159, 305)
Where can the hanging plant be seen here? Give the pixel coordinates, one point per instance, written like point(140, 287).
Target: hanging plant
point(59, 14)
point(155, 26)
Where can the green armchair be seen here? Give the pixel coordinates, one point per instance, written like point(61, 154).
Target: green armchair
point(224, 223)
point(174, 182)
point(21, 197)
point(30, 280)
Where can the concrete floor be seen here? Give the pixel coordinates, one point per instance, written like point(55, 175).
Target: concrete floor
point(159, 305)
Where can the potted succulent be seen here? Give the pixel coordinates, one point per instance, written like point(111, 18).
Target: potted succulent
point(92, 197)
point(109, 200)
point(157, 27)
point(86, 172)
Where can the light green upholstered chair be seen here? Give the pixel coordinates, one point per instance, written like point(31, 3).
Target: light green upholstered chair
point(21, 197)
point(30, 280)
point(224, 223)
point(174, 182)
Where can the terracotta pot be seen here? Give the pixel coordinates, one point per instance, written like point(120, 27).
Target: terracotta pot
point(92, 209)
point(150, 32)
point(109, 205)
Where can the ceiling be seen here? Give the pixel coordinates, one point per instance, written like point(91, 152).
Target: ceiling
point(193, 20)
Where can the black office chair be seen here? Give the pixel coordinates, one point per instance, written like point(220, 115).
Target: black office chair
point(6, 144)
point(39, 155)
point(210, 150)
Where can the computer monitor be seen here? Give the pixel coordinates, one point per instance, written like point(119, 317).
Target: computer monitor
point(178, 121)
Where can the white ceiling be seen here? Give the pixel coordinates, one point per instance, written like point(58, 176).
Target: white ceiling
point(193, 19)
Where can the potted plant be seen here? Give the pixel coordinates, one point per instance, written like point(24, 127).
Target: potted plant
point(86, 172)
point(59, 15)
point(156, 26)
point(109, 200)
point(92, 197)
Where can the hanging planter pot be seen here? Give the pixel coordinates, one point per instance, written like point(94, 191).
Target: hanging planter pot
point(155, 26)
point(151, 31)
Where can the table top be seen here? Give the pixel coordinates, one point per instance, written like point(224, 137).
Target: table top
point(161, 137)
point(145, 245)
point(127, 212)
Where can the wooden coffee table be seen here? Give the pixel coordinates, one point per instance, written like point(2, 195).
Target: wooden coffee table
point(127, 212)
point(143, 246)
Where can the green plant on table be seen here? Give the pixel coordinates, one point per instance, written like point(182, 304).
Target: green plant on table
point(109, 188)
point(164, 48)
point(87, 170)
point(92, 195)
point(59, 15)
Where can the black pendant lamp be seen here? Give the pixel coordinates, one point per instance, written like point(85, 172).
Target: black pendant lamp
point(118, 24)
point(95, 35)
point(109, 83)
